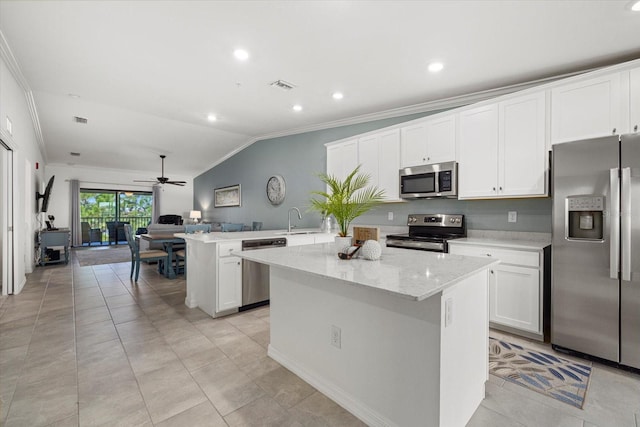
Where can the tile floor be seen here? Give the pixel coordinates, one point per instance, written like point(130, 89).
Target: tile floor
point(85, 346)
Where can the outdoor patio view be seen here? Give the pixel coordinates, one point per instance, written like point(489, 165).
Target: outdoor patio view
point(104, 212)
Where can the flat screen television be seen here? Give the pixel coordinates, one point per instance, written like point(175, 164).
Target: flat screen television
point(46, 196)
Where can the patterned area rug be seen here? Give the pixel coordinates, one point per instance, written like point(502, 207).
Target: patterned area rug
point(545, 373)
point(103, 255)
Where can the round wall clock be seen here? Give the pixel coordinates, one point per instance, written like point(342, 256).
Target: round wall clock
point(276, 189)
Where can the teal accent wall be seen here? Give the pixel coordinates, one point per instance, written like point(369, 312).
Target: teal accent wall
point(299, 158)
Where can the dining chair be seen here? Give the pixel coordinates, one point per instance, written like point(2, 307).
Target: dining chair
point(137, 255)
point(181, 255)
point(228, 226)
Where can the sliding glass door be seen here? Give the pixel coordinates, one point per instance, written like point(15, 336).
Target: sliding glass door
point(100, 209)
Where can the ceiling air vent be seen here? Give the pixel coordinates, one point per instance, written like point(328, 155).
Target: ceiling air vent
point(80, 120)
point(73, 153)
point(283, 85)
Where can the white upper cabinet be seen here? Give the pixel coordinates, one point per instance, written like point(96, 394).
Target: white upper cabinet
point(586, 109)
point(502, 149)
point(342, 158)
point(478, 153)
point(431, 141)
point(379, 156)
point(634, 104)
point(522, 165)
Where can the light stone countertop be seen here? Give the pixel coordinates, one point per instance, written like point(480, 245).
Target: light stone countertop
point(502, 243)
point(410, 274)
point(218, 236)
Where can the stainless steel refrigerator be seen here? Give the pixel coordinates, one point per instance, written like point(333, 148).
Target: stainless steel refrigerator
point(595, 294)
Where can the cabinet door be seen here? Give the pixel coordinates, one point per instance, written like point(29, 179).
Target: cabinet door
point(441, 139)
point(413, 145)
point(342, 158)
point(478, 156)
point(586, 109)
point(521, 149)
point(229, 283)
point(389, 164)
point(634, 104)
point(514, 297)
point(368, 157)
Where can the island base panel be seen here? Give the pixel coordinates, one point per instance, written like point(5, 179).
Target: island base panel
point(398, 364)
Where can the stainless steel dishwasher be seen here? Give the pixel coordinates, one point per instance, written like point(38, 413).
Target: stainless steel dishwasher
point(255, 276)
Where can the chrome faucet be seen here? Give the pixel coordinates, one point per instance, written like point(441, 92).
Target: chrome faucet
point(289, 217)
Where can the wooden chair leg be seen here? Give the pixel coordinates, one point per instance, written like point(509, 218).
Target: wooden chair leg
point(133, 263)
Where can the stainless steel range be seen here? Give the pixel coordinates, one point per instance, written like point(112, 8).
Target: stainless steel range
point(429, 232)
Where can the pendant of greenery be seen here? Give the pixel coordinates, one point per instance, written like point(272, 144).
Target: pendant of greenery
point(347, 199)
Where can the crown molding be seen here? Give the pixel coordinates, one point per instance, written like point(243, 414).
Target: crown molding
point(12, 64)
point(425, 107)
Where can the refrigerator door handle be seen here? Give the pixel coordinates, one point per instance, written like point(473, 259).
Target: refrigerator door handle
point(626, 224)
point(614, 218)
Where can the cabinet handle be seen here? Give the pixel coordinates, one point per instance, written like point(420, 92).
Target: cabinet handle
point(500, 188)
point(428, 158)
point(614, 131)
point(491, 271)
point(635, 128)
point(488, 254)
point(494, 188)
point(238, 262)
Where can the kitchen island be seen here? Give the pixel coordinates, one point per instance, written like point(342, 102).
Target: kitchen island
point(401, 341)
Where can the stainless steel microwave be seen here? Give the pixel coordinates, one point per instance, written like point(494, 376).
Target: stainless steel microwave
point(429, 181)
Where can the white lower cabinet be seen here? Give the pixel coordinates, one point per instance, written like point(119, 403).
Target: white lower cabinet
point(229, 289)
point(516, 288)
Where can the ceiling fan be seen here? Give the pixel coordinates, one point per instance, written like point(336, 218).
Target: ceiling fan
point(163, 179)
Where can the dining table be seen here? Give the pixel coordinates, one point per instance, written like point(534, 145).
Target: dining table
point(167, 240)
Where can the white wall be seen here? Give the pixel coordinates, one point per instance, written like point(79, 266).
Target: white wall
point(173, 199)
point(14, 104)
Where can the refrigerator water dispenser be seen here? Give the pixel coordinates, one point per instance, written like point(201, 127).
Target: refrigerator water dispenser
point(585, 217)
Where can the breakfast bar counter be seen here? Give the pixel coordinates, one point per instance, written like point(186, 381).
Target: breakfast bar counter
point(400, 341)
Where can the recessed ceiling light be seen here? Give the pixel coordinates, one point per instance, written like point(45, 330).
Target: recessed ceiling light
point(212, 117)
point(636, 6)
point(434, 67)
point(337, 95)
point(241, 54)
point(297, 107)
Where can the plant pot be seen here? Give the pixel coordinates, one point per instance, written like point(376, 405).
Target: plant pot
point(342, 243)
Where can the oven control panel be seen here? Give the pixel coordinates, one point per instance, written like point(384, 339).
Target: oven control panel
point(435, 220)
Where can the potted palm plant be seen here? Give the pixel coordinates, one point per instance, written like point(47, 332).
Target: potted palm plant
point(346, 199)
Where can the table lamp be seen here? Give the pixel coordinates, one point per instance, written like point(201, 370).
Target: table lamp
point(195, 216)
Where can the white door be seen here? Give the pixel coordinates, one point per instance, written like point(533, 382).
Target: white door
point(514, 297)
point(586, 109)
point(413, 145)
point(634, 104)
point(389, 164)
point(521, 150)
point(6, 220)
point(478, 156)
point(229, 283)
point(342, 158)
point(441, 139)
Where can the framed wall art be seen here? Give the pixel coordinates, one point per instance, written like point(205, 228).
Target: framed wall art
point(227, 196)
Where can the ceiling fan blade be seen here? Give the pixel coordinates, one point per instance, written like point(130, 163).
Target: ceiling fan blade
point(141, 180)
point(180, 183)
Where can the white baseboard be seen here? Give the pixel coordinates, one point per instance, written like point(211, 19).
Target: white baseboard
point(362, 411)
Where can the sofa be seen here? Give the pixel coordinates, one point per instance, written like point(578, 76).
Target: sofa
point(161, 229)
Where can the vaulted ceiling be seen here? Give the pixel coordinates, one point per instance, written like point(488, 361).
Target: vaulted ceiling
point(147, 74)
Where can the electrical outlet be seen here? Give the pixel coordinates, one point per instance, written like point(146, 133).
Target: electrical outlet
point(336, 336)
point(448, 312)
point(513, 216)
point(390, 216)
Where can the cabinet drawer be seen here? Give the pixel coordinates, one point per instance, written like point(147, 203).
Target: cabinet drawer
point(225, 249)
point(506, 256)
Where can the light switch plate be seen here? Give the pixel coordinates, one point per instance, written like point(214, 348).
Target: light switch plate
point(390, 216)
point(513, 216)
